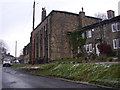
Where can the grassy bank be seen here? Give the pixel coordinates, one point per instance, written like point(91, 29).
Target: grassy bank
point(19, 65)
point(67, 60)
point(103, 74)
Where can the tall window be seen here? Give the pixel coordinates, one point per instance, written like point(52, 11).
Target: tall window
point(116, 43)
point(118, 26)
point(83, 35)
point(78, 49)
point(89, 34)
point(88, 47)
point(115, 27)
point(119, 43)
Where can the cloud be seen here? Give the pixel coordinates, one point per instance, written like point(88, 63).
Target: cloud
point(9, 1)
point(19, 34)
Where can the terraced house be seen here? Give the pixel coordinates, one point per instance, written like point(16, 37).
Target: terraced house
point(107, 32)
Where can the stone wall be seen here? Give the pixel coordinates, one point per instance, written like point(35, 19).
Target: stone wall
point(42, 43)
point(61, 24)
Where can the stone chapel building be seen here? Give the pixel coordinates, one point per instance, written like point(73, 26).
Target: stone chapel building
point(51, 40)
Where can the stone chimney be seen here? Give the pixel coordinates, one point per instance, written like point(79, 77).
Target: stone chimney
point(110, 14)
point(82, 18)
point(43, 14)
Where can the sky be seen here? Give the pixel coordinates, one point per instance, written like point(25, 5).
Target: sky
point(16, 16)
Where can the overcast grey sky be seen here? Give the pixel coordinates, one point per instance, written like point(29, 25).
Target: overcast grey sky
point(16, 16)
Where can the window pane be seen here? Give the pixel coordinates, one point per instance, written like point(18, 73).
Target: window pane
point(119, 43)
point(118, 26)
point(78, 50)
point(87, 48)
point(90, 47)
point(114, 27)
point(83, 35)
point(114, 44)
point(89, 34)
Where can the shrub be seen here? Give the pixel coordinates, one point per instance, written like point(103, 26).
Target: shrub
point(105, 49)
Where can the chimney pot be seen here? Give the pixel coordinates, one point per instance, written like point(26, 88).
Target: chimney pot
point(110, 14)
point(43, 14)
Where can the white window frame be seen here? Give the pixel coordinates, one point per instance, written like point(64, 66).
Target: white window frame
point(88, 48)
point(116, 43)
point(78, 49)
point(89, 33)
point(118, 26)
point(83, 35)
point(115, 27)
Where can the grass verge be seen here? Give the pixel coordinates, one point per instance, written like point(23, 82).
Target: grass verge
point(68, 60)
point(103, 74)
point(19, 65)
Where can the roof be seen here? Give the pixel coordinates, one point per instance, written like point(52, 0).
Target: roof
point(65, 13)
point(117, 18)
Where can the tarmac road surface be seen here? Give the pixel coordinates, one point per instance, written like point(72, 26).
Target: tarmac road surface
point(16, 79)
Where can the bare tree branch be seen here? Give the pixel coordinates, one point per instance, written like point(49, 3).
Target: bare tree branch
point(3, 46)
point(102, 16)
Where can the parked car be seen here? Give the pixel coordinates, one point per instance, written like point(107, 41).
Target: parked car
point(6, 62)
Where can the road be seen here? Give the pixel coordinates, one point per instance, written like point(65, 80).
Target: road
point(16, 79)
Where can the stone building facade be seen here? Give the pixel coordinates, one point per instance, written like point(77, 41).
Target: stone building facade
point(51, 41)
point(26, 54)
point(105, 31)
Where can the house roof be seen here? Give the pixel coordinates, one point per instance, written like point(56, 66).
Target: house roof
point(117, 18)
point(65, 12)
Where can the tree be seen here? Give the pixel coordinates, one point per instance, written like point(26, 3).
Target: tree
point(78, 40)
point(21, 52)
point(102, 16)
point(3, 47)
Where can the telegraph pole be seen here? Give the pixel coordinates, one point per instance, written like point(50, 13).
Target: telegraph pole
point(33, 56)
point(33, 14)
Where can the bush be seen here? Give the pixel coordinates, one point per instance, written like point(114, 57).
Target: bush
point(105, 49)
point(41, 60)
